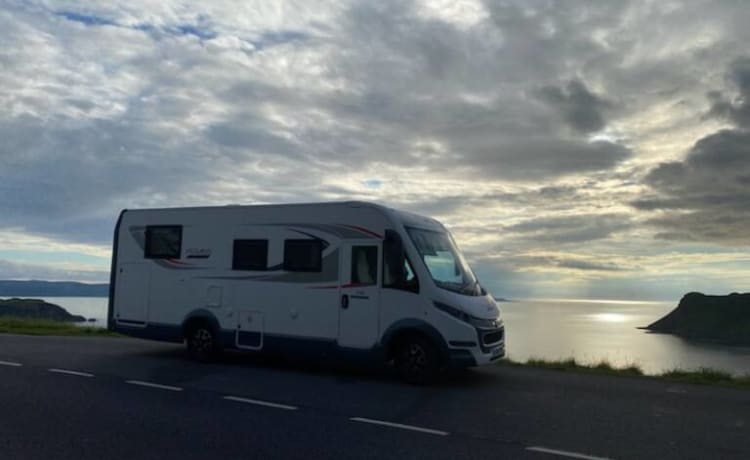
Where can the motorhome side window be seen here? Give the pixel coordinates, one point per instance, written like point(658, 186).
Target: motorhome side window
point(403, 277)
point(397, 270)
point(163, 242)
point(250, 255)
point(303, 255)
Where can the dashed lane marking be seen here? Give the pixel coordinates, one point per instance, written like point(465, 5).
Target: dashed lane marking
point(565, 453)
point(153, 385)
point(69, 372)
point(399, 425)
point(258, 402)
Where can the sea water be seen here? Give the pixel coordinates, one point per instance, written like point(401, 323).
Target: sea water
point(587, 330)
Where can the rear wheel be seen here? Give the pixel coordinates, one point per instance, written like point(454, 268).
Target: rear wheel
point(417, 360)
point(201, 343)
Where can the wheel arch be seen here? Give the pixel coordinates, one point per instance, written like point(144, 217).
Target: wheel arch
point(408, 327)
point(198, 317)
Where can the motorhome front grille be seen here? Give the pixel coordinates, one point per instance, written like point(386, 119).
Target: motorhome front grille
point(493, 337)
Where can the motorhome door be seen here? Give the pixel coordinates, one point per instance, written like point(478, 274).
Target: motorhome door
point(359, 299)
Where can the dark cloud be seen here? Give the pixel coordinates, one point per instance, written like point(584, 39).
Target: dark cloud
point(70, 180)
point(541, 157)
point(59, 178)
point(252, 134)
point(579, 107)
point(538, 35)
point(547, 262)
point(569, 229)
point(586, 265)
point(738, 109)
point(705, 197)
point(423, 79)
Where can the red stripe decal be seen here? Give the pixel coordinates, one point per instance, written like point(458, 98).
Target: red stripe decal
point(363, 230)
point(178, 262)
point(353, 285)
point(344, 286)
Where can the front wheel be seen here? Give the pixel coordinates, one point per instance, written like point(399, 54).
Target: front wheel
point(201, 343)
point(417, 360)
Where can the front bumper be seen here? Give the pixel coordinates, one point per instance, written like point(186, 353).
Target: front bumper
point(491, 338)
point(489, 348)
point(494, 354)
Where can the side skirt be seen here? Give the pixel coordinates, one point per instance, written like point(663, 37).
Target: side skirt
point(272, 344)
point(296, 347)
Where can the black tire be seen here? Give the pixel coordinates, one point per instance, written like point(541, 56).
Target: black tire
point(417, 360)
point(202, 343)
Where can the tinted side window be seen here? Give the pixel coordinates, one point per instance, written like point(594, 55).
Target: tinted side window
point(400, 278)
point(364, 265)
point(398, 272)
point(163, 241)
point(303, 255)
point(250, 255)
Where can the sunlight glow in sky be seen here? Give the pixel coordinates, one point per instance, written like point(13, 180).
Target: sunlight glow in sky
point(575, 149)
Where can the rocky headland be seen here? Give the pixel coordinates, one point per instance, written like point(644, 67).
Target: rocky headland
point(36, 309)
point(719, 318)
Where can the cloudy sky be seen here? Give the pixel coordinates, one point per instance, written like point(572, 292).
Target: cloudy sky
point(575, 149)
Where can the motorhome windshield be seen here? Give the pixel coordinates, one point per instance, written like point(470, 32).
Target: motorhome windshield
point(444, 261)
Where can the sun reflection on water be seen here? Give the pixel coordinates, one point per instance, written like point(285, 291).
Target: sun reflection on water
point(607, 317)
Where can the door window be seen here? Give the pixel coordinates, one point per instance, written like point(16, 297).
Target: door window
point(364, 265)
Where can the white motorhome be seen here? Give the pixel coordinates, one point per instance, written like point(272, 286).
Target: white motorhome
point(325, 277)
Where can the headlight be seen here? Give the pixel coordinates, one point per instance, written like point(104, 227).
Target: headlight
point(467, 318)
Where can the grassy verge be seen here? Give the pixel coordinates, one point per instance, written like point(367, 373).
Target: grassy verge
point(704, 375)
point(30, 326)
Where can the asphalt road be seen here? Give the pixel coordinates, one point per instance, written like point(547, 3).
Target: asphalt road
point(113, 398)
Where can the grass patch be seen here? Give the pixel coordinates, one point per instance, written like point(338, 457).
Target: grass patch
point(570, 364)
point(30, 326)
point(706, 376)
point(703, 375)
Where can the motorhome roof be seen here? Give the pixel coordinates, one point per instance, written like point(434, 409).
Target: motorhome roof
point(406, 217)
point(274, 205)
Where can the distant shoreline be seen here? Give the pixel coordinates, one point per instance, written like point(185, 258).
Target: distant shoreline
point(37, 288)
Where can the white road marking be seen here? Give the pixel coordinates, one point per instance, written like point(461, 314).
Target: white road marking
point(10, 363)
point(69, 372)
point(153, 385)
point(260, 403)
point(399, 425)
point(564, 453)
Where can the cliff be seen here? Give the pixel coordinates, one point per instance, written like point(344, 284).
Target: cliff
point(36, 309)
point(709, 317)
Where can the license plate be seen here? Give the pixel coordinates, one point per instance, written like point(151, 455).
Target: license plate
point(498, 351)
